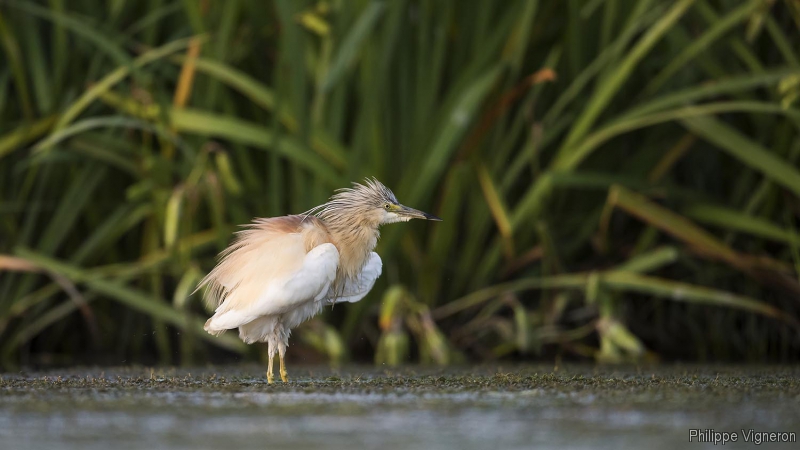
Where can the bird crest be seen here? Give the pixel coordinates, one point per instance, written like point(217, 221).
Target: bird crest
point(371, 194)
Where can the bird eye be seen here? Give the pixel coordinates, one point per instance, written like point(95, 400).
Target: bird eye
point(386, 206)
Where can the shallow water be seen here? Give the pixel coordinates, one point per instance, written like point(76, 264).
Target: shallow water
point(363, 407)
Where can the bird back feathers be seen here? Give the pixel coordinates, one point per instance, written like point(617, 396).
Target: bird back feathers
point(264, 250)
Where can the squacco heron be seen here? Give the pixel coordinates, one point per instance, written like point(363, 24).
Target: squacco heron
point(281, 271)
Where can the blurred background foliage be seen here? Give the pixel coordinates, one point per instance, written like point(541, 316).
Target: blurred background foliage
point(618, 178)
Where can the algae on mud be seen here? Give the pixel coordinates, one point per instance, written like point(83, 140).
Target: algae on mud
point(508, 407)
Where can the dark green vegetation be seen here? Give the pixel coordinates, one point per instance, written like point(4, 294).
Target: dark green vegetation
point(618, 179)
point(508, 407)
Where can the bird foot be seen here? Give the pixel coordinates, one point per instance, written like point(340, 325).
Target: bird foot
point(270, 378)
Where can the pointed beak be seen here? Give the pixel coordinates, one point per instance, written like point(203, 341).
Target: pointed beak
point(416, 214)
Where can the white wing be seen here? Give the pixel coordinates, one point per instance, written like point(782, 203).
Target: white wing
point(355, 289)
point(310, 282)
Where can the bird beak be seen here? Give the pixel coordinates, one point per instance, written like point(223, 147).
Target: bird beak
point(415, 213)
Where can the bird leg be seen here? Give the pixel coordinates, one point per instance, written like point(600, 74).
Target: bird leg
point(271, 352)
point(270, 375)
point(284, 375)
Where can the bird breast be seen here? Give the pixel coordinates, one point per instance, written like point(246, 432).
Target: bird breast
point(354, 249)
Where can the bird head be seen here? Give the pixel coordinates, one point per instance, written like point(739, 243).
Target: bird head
point(371, 203)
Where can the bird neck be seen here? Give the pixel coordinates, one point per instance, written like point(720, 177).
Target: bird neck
point(355, 242)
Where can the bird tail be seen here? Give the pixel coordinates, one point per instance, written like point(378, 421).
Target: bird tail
point(209, 327)
point(228, 320)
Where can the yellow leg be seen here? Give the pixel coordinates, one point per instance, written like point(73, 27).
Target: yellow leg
point(284, 375)
point(270, 376)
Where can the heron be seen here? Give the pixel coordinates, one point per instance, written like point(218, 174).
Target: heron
point(280, 271)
